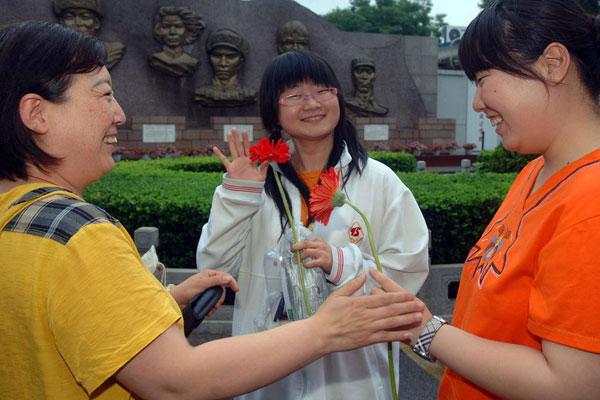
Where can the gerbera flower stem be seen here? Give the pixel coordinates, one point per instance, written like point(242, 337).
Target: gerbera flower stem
point(291, 220)
point(376, 257)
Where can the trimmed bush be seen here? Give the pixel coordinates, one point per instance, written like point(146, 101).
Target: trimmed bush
point(457, 208)
point(400, 162)
point(149, 193)
point(501, 160)
point(164, 193)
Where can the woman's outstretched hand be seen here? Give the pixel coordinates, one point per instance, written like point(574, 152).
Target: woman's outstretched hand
point(346, 322)
point(241, 167)
point(389, 286)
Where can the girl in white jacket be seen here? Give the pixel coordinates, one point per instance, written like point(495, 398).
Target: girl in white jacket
point(300, 97)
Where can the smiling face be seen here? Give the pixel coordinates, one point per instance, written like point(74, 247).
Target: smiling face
point(82, 131)
point(517, 108)
point(312, 120)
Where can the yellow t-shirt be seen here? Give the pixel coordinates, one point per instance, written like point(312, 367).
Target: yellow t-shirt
point(76, 302)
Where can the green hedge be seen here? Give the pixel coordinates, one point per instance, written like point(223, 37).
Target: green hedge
point(164, 193)
point(401, 162)
point(501, 160)
point(457, 208)
point(150, 193)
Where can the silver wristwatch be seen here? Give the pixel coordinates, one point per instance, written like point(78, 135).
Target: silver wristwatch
point(426, 337)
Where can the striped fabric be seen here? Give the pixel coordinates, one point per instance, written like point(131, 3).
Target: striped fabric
point(340, 271)
point(248, 189)
point(58, 217)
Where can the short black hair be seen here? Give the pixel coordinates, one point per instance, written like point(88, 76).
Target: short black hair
point(41, 58)
point(510, 35)
point(284, 72)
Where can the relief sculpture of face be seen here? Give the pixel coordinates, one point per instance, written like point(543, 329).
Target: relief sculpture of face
point(293, 41)
point(226, 62)
point(364, 76)
point(171, 31)
point(81, 20)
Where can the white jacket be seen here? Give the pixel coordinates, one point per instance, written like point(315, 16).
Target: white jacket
point(244, 225)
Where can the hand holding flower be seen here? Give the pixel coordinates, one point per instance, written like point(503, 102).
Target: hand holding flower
point(318, 250)
point(241, 165)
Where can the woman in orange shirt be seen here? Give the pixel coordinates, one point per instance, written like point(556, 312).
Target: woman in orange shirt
point(526, 323)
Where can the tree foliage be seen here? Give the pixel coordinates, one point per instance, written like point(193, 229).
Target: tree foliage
point(593, 6)
point(402, 17)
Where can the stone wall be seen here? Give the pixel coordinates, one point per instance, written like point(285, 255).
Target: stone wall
point(430, 131)
point(406, 68)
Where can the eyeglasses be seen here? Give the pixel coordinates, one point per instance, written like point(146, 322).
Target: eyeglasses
point(319, 96)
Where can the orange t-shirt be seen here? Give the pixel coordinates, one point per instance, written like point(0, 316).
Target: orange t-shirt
point(310, 178)
point(533, 275)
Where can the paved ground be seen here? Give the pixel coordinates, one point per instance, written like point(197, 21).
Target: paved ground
point(419, 379)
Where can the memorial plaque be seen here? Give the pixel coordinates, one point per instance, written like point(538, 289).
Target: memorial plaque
point(377, 132)
point(158, 133)
point(240, 128)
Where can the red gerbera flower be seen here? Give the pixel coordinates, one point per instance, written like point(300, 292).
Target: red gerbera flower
point(266, 151)
point(326, 195)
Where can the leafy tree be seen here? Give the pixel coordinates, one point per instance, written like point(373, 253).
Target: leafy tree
point(592, 6)
point(403, 17)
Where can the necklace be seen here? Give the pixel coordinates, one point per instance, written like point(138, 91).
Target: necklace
point(42, 179)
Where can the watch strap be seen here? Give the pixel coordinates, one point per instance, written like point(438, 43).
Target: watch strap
point(421, 348)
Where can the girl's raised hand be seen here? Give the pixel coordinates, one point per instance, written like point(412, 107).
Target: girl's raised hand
point(241, 167)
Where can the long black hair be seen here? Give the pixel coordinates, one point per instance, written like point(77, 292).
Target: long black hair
point(41, 58)
point(284, 72)
point(510, 35)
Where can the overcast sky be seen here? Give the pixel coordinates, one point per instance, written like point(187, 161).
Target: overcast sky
point(458, 12)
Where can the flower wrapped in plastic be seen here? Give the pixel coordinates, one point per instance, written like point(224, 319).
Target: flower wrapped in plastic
point(301, 300)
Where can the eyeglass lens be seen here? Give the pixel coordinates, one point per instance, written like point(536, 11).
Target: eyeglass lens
point(319, 95)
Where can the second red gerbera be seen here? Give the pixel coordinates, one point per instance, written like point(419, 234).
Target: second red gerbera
point(326, 195)
point(267, 150)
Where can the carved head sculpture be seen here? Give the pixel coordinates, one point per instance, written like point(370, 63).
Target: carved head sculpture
point(176, 26)
point(292, 35)
point(363, 73)
point(228, 51)
point(81, 15)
